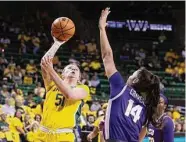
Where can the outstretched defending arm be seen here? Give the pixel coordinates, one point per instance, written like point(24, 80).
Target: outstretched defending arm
point(115, 79)
point(106, 50)
point(50, 53)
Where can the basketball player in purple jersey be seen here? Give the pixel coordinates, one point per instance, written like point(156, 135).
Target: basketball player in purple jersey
point(132, 103)
point(163, 131)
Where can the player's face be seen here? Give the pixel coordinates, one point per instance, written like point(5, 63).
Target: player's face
point(132, 78)
point(161, 105)
point(72, 71)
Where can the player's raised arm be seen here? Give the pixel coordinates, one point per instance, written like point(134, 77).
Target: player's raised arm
point(50, 53)
point(106, 51)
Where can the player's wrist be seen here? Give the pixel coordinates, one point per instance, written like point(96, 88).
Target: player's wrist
point(51, 70)
point(57, 44)
point(102, 29)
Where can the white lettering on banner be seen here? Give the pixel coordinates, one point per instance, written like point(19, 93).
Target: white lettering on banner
point(139, 25)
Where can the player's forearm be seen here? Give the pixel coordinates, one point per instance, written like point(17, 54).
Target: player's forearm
point(67, 92)
point(52, 51)
point(105, 45)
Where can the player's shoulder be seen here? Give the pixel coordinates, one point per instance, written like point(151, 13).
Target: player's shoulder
point(50, 86)
point(167, 120)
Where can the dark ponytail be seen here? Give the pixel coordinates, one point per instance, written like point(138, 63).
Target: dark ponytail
point(152, 99)
point(148, 84)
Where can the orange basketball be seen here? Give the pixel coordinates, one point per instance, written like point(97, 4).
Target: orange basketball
point(63, 28)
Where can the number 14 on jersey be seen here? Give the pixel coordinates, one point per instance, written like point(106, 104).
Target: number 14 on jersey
point(134, 110)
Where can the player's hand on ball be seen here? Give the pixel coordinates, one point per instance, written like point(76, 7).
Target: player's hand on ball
point(103, 18)
point(46, 63)
point(57, 41)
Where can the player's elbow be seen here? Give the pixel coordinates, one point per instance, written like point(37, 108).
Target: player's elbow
point(77, 95)
point(74, 97)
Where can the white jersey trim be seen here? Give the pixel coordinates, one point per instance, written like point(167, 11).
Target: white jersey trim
point(117, 96)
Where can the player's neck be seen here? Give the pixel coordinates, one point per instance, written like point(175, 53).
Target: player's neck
point(160, 114)
point(71, 82)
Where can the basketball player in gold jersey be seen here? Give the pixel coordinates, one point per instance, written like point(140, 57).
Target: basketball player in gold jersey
point(63, 100)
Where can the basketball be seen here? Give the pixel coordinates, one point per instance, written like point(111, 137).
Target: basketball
point(63, 28)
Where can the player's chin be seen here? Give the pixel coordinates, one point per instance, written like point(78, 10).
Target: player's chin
point(72, 77)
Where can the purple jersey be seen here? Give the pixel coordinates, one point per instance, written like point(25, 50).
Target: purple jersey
point(164, 132)
point(126, 112)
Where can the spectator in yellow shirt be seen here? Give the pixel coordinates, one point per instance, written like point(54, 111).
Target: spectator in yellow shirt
point(170, 53)
point(28, 80)
point(81, 46)
point(27, 122)
point(5, 135)
point(96, 131)
point(169, 70)
point(31, 67)
point(20, 104)
point(176, 115)
point(95, 66)
point(8, 72)
point(92, 47)
point(16, 126)
point(85, 110)
point(85, 64)
point(22, 37)
point(39, 90)
point(31, 135)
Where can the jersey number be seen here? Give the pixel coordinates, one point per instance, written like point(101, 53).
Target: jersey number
point(135, 111)
point(60, 99)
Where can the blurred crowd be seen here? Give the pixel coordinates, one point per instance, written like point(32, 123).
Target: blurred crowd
point(178, 118)
point(21, 113)
point(175, 64)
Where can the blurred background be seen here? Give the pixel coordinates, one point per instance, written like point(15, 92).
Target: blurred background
point(150, 34)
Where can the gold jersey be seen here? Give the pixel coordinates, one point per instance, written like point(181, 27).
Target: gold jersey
point(60, 112)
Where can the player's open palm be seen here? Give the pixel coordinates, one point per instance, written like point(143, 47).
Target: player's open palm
point(103, 18)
